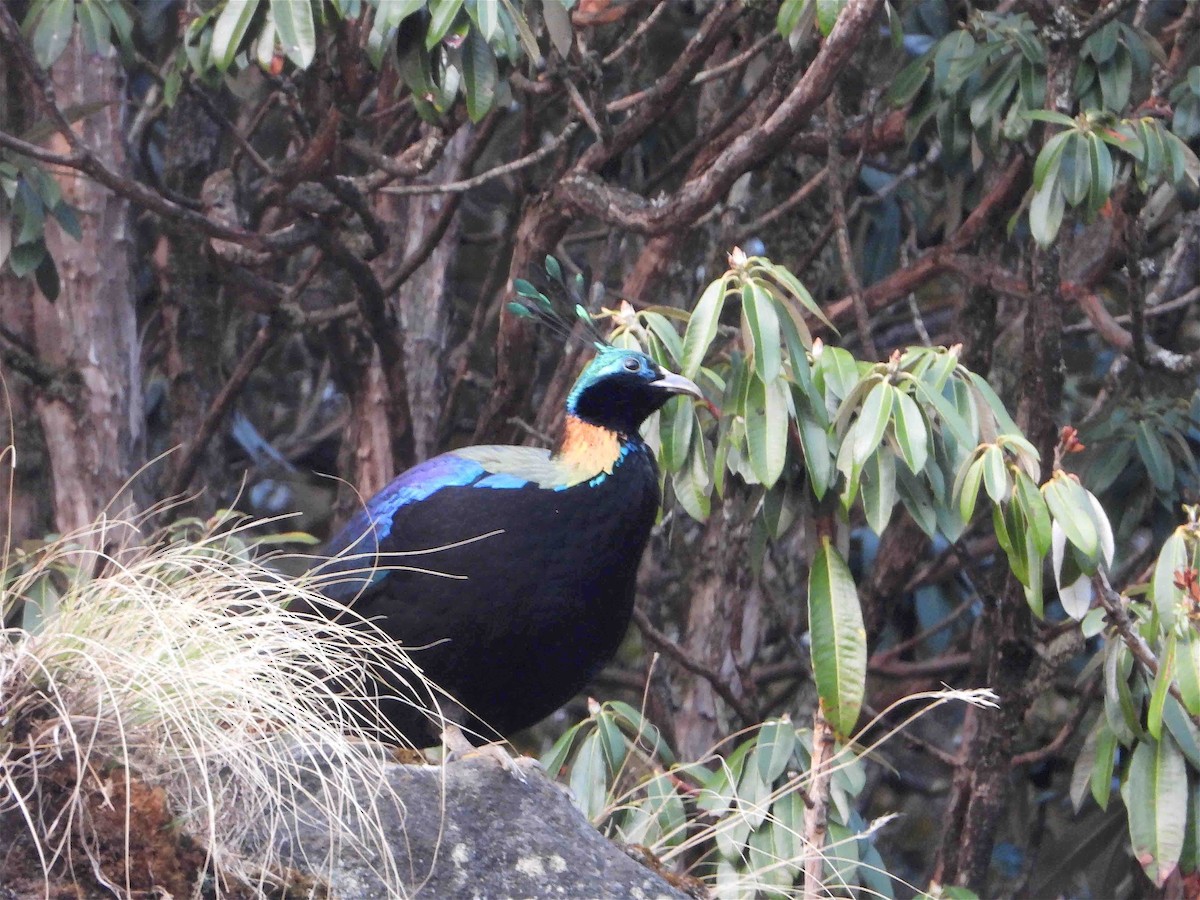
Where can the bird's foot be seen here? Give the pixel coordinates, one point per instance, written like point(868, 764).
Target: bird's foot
point(458, 748)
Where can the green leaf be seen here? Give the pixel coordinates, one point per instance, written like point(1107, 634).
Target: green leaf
point(1155, 796)
point(872, 421)
point(1103, 44)
point(839, 639)
point(827, 13)
point(995, 91)
point(1075, 171)
point(1050, 159)
point(1158, 696)
point(1037, 514)
point(1072, 510)
point(1172, 558)
point(480, 75)
point(297, 34)
point(776, 743)
point(1187, 672)
point(909, 81)
point(486, 16)
point(947, 414)
point(702, 327)
point(1116, 80)
point(442, 14)
point(767, 429)
point(966, 488)
point(1102, 173)
point(53, 31)
point(1183, 730)
point(25, 258)
point(556, 757)
point(1155, 457)
point(995, 475)
point(763, 321)
point(230, 29)
point(392, 12)
point(678, 416)
point(1046, 212)
point(1097, 755)
point(818, 460)
point(879, 489)
point(1118, 702)
point(94, 27)
point(1049, 115)
point(1033, 564)
point(588, 779)
point(912, 434)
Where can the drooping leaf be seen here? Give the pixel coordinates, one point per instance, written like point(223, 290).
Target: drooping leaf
point(52, 30)
point(297, 33)
point(1172, 558)
point(1155, 457)
point(1187, 672)
point(702, 327)
point(588, 777)
point(767, 429)
point(1158, 694)
point(912, 433)
point(1072, 511)
point(776, 743)
point(839, 639)
point(872, 422)
point(230, 30)
point(879, 489)
point(763, 320)
point(1094, 766)
point(480, 75)
point(442, 14)
point(558, 24)
point(1155, 796)
point(1046, 212)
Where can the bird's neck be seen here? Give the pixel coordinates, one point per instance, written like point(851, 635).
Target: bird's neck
point(592, 449)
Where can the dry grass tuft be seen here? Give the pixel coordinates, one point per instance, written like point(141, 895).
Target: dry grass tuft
point(164, 688)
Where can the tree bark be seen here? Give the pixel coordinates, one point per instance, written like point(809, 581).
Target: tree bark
point(422, 301)
point(94, 439)
point(723, 627)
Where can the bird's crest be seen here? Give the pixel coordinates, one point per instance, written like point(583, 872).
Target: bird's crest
point(562, 314)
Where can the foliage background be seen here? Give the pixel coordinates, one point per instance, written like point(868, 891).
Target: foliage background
point(280, 237)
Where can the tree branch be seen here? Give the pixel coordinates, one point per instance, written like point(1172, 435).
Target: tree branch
point(589, 194)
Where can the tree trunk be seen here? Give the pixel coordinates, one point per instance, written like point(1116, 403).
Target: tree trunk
point(94, 438)
point(422, 302)
point(1004, 637)
point(722, 631)
point(193, 323)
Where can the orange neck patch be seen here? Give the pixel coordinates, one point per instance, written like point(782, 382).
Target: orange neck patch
point(588, 450)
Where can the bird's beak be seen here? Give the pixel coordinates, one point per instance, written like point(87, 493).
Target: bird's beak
point(677, 384)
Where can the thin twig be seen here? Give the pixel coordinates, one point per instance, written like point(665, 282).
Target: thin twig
point(729, 64)
point(816, 817)
point(646, 24)
point(1065, 733)
point(1114, 606)
point(837, 196)
point(467, 184)
point(677, 653)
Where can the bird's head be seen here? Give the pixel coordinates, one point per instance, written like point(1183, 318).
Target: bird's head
point(620, 388)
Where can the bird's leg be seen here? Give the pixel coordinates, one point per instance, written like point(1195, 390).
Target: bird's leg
point(458, 747)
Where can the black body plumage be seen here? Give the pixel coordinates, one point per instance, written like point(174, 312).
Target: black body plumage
point(541, 550)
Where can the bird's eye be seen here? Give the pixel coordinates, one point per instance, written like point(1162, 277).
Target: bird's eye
point(632, 364)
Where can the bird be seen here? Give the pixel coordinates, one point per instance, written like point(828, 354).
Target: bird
point(509, 572)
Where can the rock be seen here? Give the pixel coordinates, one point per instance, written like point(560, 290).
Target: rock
point(473, 829)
